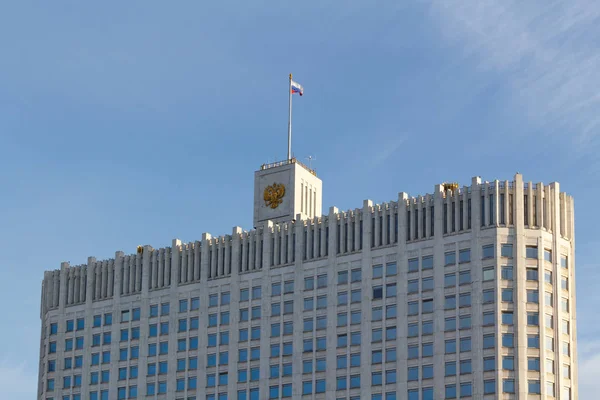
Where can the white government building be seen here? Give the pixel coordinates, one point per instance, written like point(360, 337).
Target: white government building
point(468, 292)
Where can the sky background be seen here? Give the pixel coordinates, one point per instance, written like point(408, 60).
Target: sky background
point(126, 123)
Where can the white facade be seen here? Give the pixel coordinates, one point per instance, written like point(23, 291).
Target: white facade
point(350, 305)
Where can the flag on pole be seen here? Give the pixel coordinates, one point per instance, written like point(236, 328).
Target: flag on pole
point(297, 88)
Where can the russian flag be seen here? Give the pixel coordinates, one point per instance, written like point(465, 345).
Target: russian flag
point(297, 88)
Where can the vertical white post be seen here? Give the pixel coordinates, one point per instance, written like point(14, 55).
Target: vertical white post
point(289, 155)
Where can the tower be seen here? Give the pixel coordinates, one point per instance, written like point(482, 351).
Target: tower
point(284, 189)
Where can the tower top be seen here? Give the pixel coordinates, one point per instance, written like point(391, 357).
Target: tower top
point(285, 189)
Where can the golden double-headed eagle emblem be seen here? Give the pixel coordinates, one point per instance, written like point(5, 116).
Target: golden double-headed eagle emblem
point(273, 195)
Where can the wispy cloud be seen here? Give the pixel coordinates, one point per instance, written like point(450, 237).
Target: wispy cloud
point(386, 147)
point(17, 381)
point(589, 369)
point(546, 50)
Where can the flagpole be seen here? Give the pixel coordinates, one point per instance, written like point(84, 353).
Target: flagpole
point(289, 156)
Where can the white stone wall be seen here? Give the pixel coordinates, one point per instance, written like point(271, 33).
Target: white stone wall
point(297, 250)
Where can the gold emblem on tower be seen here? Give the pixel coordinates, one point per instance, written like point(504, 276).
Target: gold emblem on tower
point(273, 195)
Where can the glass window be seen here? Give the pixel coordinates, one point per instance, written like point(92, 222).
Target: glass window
point(309, 283)
point(450, 368)
point(548, 276)
point(356, 275)
point(489, 318)
point(489, 386)
point(256, 292)
point(225, 298)
point(508, 363)
point(450, 391)
point(342, 277)
point(377, 292)
point(413, 265)
point(464, 277)
point(548, 255)
point(322, 281)
point(533, 387)
point(427, 328)
point(531, 252)
point(488, 296)
point(427, 284)
point(489, 363)
point(533, 364)
point(342, 298)
point(427, 306)
point(507, 272)
point(183, 305)
point(413, 286)
point(532, 296)
point(465, 300)
point(487, 251)
point(533, 319)
point(391, 269)
point(531, 274)
point(377, 271)
point(465, 322)
point(413, 330)
point(508, 339)
point(413, 351)
point(450, 324)
point(506, 250)
point(466, 389)
point(427, 350)
point(489, 341)
point(244, 294)
point(450, 346)
point(533, 341)
point(507, 295)
point(489, 274)
point(508, 386)
point(507, 318)
point(449, 280)
point(450, 258)
point(427, 262)
point(464, 255)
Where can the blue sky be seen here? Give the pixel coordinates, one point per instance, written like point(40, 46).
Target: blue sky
point(126, 123)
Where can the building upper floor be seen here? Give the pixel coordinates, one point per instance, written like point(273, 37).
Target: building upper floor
point(406, 223)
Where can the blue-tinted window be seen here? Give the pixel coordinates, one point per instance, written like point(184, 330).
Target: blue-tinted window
point(133, 371)
point(376, 378)
point(154, 310)
point(354, 381)
point(153, 330)
point(123, 354)
point(105, 376)
point(68, 363)
point(182, 326)
point(151, 369)
point(150, 389)
point(307, 387)
point(164, 328)
point(254, 374)
point(242, 375)
point(165, 309)
point(164, 347)
point(255, 333)
point(243, 354)
point(68, 344)
point(489, 386)
point(193, 363)
point(183, 305)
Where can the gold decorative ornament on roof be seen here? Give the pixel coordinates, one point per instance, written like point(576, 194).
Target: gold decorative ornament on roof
point(140, 249)
point(450, 186)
